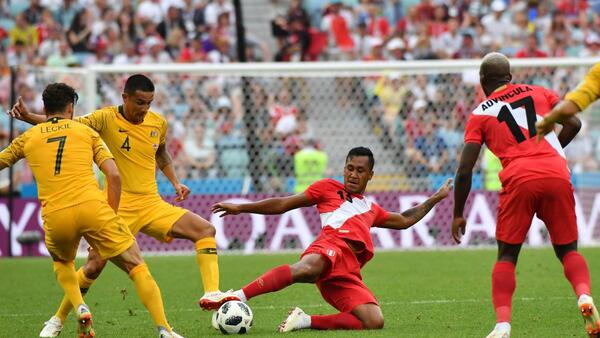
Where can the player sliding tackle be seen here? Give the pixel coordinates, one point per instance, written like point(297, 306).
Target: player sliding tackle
point(136, 136)
point(333, 261)
point(535, 180)
point(60, 153)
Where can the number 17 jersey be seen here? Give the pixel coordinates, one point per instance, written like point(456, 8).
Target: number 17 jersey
point(505, 123)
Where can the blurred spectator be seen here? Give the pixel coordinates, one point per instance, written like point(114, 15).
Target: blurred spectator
point(63, 57)
point(127, 56)
point(221, 52)
point(496, 24)
point(23, 31)
point(338, 22)
point(310, 164)
point(397, 50)
point(592, 46)
point(467, 49)
point(531, 49)
point(150, 10)
point(214, 9)
point(154, 51)
point(79, 33)
point(201, 152)
point(173, 20)
point(284, 114)
point(430, 153)
point(449, 42)
point(33, 13)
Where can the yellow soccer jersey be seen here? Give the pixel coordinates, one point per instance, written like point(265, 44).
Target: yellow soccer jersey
point(133, 145)
point(588, 91)
point(60, 153)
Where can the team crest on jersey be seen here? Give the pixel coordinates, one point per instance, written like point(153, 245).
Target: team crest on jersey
point(155, 146)
point(154, 133)
point(330, 252)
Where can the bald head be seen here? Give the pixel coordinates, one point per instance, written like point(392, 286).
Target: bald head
point(494, 72)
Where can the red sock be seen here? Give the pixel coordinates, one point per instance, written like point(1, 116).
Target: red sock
point(503, 287)
point(577, 272)
point(271, 281)
point(339, 321)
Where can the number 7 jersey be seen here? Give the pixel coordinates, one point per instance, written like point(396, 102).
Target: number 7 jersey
point(505, 122)
point(60, 153)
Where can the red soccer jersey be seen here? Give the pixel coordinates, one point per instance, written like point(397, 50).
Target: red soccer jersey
point(348, 216)
point(505, 122)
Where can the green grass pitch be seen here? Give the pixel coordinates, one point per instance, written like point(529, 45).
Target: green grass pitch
point(422, 294)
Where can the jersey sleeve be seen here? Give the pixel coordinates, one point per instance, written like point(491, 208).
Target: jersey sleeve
point(474, 130)
point(14, 151)
point(101, 152)
point(381, 215)
point(163, 131)
point(95, 120)
point(587, 91)
point(316, 191)
point(552, 97)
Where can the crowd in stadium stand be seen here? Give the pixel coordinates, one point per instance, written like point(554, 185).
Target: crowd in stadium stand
point(208, 136)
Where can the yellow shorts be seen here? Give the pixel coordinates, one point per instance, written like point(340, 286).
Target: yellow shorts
point(151, 215)
point(95, 221)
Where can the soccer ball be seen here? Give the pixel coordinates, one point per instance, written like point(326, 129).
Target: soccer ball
point(233, 317)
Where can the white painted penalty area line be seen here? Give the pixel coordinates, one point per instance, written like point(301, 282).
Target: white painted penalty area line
point(311, 306)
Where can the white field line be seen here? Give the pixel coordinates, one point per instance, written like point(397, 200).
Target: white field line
point(310, 306)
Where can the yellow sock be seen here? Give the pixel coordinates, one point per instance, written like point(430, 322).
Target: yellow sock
point(65, 306)
point(149, 294)
point(67, 278)
point(208, 262)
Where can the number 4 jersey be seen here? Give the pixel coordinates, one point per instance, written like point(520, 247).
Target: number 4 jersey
point(505, 122)
point(60, 153)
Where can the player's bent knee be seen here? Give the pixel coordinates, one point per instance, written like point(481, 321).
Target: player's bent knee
point(373, 323)
point(92, 269)
point(305, 272)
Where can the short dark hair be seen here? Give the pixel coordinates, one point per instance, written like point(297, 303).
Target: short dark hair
point(138, 82)
point(57, 96)
point(362, 151)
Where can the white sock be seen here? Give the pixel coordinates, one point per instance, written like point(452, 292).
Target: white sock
point(305, 322)
point(584, 299)
point(241, 295)
point(502, 326)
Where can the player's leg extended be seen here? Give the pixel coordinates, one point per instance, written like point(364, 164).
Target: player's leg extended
point(86, 276)
point(557, 210)
point(132, 263)
point(307, 270)
point(198, 230)
point(364, 316)
point(503, 287)
point(577, 273)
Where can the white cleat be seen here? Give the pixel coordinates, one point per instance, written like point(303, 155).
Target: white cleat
point(496, 333)
point(296, 320)
point(164, 333)
point(590, 315)
point(214, 300)
point(52, 328)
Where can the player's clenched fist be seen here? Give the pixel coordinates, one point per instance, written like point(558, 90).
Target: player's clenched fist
point(182, 192)
point(19, 110)
point(459, 225)
point(226, 209)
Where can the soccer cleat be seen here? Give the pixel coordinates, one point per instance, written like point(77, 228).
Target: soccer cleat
point(52, 328)
point(164, 333)
point(295, 320)
point(84, 318)
point(499, 334)
point(591, 318)
point(214, 300)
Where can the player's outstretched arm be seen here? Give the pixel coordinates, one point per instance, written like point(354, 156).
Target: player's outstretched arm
point(21, 112)
point(462, 187)
point(113, 182)
point(561, 112)
point(410, 217)
point(269, 206)
point(571, 127)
